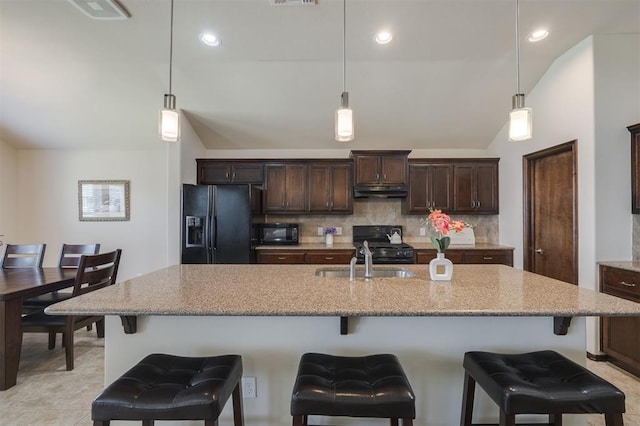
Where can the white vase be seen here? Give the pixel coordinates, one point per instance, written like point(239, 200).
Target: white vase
point(328, 239)
point(440, 268)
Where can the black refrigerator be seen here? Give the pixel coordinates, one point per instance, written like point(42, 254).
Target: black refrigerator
point(217, 224)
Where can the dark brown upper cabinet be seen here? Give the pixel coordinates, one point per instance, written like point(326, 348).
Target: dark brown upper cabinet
point(330, 187)
point(475, 187)
point(635, 168)
point(286, 188)
point(380, 167)
point(214, 172)
point(430, 187)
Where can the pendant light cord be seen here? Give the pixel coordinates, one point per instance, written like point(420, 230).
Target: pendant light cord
point(517, 46)
point(344, 45)
point(171, 49)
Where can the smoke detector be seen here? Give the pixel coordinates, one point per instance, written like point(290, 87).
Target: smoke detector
point(101, 9)
point(293, 2)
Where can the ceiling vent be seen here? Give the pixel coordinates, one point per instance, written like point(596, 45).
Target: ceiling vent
point(101, 9)
point(293, 2)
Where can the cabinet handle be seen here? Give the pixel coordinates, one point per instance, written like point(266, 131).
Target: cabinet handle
point(326, 204)
point(328, 258)
point(384, 176)
point(627, 284)
point(377, 176)
point(331, 204)
point(477, 204)
point(473, 204)
point(226, 175)
point(233, 176)
point(282, 257)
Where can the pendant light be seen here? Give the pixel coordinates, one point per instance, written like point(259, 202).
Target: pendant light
point(169, 126)
point(344, 114)
point(520, 117)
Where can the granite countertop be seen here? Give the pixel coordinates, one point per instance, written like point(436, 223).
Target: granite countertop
point(421, 245)
point(294, 290)
point(628, 265)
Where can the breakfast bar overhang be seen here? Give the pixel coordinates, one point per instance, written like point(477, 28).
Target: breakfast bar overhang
point(272, 314)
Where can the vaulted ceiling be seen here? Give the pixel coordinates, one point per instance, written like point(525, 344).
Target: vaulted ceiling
point(445, 80)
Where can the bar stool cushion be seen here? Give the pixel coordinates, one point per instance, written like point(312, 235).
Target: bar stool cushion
point(368, 386)
point(168, 387)
point(541, 383)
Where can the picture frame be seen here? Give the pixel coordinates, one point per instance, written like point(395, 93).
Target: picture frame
point(103, 200)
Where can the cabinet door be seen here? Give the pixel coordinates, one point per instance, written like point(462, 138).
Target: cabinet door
point(393, 169)
point(502, 257)
point(280, 257)
point(212, 174)
point(342, 189)
point(329, 257)
point(418, 197)
point(319, 188)
point(424, 256)
point(487, 188)
point(367, 169)
point(464, 188)
point(296, 188)
point(275, 187)
point(247, 173)
point(635, 168)
point(621, 341)
point(441, 187)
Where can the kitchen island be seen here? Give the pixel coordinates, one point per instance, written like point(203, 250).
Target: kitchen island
point(272, 314)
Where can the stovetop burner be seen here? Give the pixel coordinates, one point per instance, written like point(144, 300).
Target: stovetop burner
point(382, 251)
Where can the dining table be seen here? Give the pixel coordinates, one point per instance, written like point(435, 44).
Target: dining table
point(17, 285)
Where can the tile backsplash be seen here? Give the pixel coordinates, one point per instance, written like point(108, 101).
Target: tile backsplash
point(383, 212)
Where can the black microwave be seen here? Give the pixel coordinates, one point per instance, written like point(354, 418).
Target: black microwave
point(279, 233)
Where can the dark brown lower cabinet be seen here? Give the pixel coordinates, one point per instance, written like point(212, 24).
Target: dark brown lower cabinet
point(320, 256)
point(620, 336)
point(499, 256)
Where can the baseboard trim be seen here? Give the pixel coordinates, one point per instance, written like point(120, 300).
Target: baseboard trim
point(598, 357)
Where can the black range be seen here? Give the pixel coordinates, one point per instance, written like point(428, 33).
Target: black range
point(382, 251)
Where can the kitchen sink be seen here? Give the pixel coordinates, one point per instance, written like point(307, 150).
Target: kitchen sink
point(389, 272)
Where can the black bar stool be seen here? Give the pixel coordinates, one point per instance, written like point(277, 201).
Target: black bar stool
point(370, 386)
point(168, 387)
point(543, 382)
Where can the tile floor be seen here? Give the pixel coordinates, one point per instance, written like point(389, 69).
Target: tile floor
point(47, 394)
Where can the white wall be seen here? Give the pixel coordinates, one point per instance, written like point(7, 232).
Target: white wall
point(8, 191)
point(588, 94)
point(48, 204)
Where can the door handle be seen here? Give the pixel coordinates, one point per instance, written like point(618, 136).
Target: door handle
point(627, 284)
point(539, 251)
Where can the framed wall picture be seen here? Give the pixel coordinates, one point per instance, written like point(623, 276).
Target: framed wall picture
point(103, 200)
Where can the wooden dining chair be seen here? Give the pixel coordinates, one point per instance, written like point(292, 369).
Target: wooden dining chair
point(94, 272)
point(23, 256)
point(69, 258)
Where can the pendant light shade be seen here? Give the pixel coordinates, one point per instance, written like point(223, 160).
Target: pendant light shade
point(520, 120)
point(169, 124)
point(520, 117)
point(169, 120)
point(344, 131)
point(344, 120)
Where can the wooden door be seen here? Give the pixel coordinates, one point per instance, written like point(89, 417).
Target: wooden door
point(247, 173)
point(367, 169)
point(417, 200)
point(211, 174)
point(550, 204)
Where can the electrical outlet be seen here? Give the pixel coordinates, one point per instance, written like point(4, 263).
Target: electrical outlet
point(249, 387)
point(423, 231)
point(338, 230)
point(320, 230)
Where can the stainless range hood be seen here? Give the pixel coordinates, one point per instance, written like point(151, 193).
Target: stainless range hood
point(367, 191)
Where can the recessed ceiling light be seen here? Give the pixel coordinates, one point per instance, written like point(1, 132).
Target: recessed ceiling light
point(384, 37)
point(210, 39)
point(538, 35)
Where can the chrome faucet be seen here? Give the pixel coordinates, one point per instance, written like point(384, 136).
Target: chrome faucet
point(368, 261)
point(352, 268)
